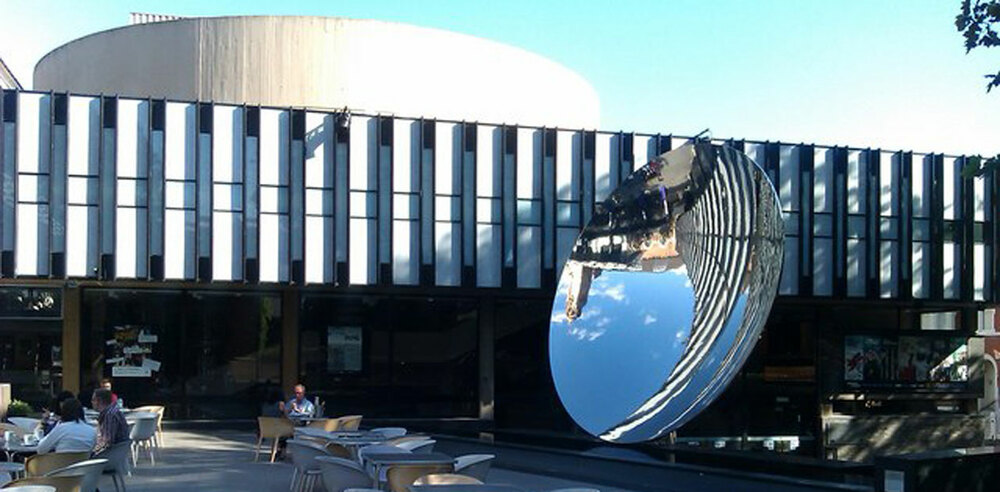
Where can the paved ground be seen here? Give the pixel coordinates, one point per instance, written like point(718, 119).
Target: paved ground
point(223, 460)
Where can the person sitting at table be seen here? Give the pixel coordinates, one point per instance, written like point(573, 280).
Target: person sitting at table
point(299, 407)
point(274, 403)
point(72, 434)
point(52, 414)
point(115, 400)
point(111, 426)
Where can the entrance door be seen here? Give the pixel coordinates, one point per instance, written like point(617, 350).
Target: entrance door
point(990, 406)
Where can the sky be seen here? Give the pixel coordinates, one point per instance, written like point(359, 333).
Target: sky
point(891, 74)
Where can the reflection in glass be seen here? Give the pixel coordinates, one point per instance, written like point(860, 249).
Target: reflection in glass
point(665, 292)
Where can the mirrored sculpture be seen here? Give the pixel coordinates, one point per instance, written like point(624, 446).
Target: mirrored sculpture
point(666, 292)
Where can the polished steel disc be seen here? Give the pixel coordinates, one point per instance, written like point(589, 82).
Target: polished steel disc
point(666, 292)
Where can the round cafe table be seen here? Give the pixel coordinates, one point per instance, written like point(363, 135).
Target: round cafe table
point(16, 470)
point(31, 488)
point(17, 448)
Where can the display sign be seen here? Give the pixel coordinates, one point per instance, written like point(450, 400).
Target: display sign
point(343, 349)
point(30, 302)
point(906, 362)
point(130, 351)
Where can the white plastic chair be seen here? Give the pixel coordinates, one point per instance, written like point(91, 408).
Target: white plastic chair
point(390, 432)
point(158, 411)
point(425, 446)
point(304, 454)
point(143, 435)
point(340, 474)
point(25, 423)
point(90, 470)
point(474, 465)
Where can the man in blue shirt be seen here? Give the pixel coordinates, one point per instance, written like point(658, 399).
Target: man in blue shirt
point(299, 406)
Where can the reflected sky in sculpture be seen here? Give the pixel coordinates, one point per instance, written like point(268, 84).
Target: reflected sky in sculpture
point(665, 293)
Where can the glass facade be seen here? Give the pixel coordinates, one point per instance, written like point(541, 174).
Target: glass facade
point(214, 354)
point(525, 394)
point(406, 241)
point(391, 356)
point(31, 342)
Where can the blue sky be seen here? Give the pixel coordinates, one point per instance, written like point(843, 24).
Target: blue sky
point(888, 74)
point(620, 351)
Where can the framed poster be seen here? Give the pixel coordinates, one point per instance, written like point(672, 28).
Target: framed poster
point(130, 350)
point(906, 362)
point(344, 346)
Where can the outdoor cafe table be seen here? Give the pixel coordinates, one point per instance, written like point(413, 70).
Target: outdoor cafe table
point(298, 421)
point(485, 487)
point(382, 460)
point(18, 448)
point(371, 436)
point(352, 440)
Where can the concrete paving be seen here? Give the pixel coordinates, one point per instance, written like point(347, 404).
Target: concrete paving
point(223, 460)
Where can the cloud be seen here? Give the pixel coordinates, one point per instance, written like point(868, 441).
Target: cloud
point(616, 292)
point(649, 319)
point(585, 334)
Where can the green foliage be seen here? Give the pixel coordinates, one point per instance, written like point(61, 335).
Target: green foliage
point(978, 22)
point(18, 408)
point(976, 166)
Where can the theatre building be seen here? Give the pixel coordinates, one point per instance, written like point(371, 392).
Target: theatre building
point(209, 208)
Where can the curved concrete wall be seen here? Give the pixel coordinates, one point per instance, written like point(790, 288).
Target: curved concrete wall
point(321, 62)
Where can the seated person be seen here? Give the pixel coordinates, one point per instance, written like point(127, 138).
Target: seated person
point(299, 406)
point(52, 414)
point(274, 404)
point(111, 426)
point(72, 433)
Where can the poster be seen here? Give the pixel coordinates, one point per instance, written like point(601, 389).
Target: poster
point(130, 352)
point(343, 349)
point(906, 362)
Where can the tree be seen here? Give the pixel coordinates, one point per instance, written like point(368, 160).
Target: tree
point(978, 23)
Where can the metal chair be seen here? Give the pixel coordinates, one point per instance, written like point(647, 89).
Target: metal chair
point(341, 474)
point(474, 465)
point(400, 477)
point(275, 428)
point(447, 479)
point(377, 448)
point(117, 465)
point(143, 435)
point(396, 441)
point(90, 470)
point(425, 446)
point(304, 454)
point(158, 410)
point(339, 450)
point(328, 425)
point(40, 464)
point(350, 422)
point(390, 432)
